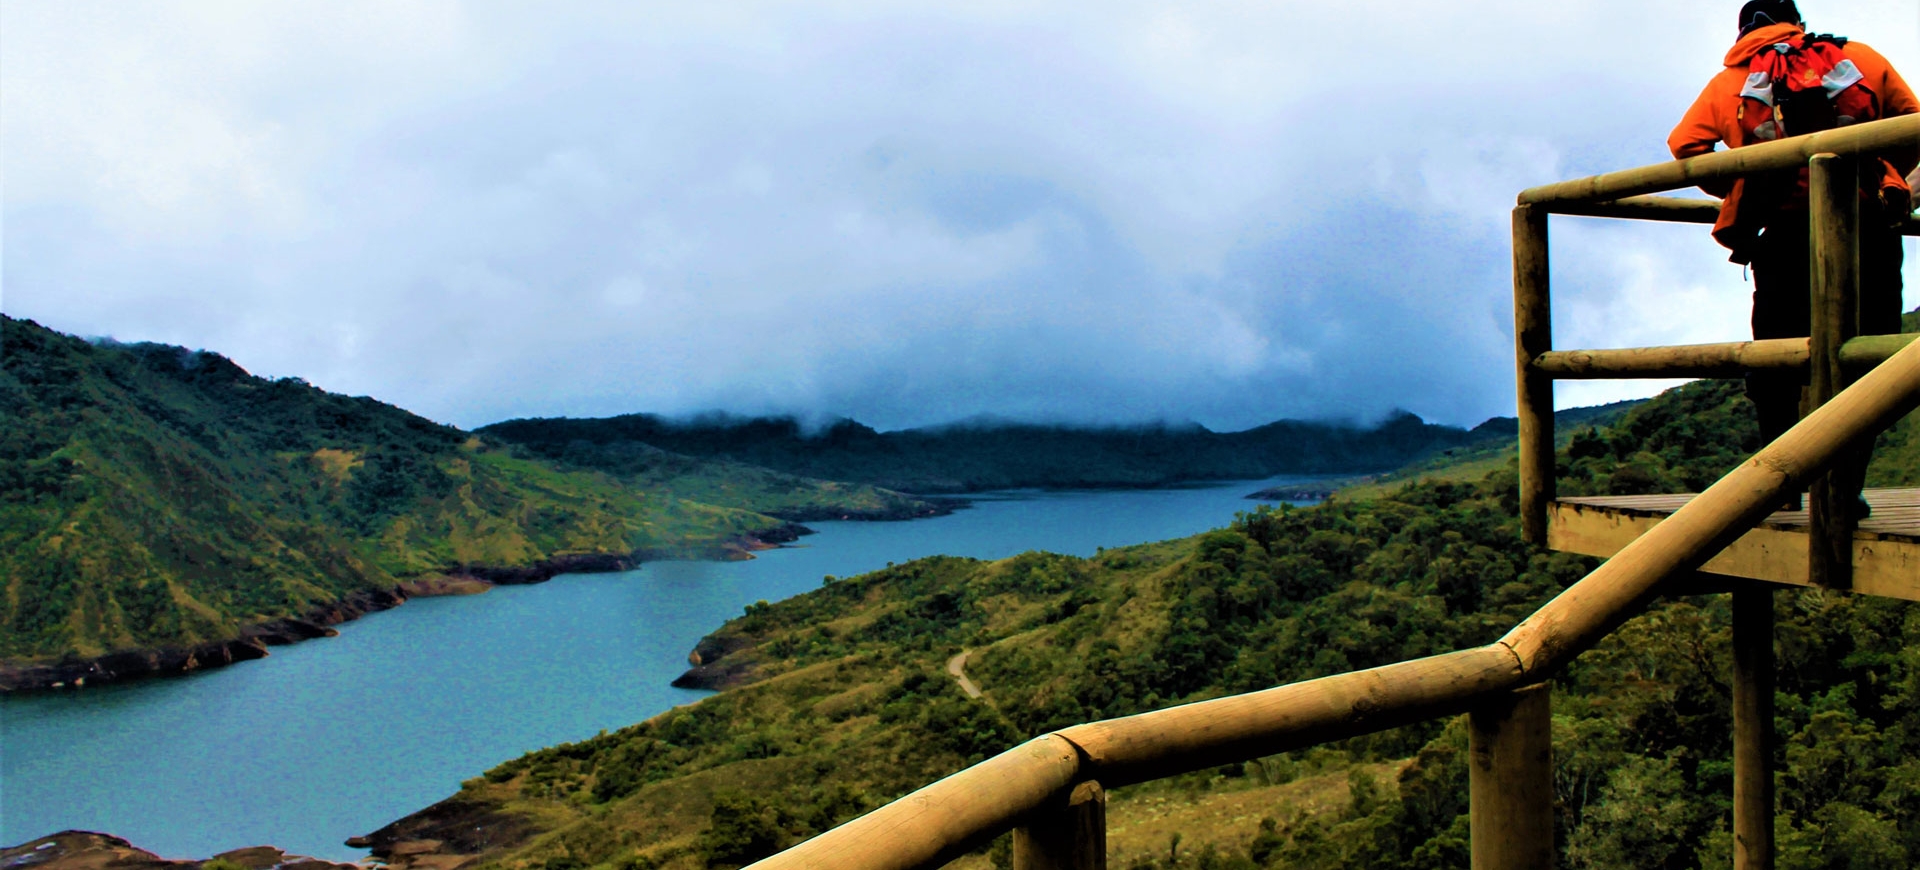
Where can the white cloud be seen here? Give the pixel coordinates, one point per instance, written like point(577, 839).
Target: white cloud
point(898, 211)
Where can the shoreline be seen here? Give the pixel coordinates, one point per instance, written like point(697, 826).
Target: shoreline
point(253, 641)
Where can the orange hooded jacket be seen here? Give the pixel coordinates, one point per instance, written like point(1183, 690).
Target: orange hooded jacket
point(1715, 117)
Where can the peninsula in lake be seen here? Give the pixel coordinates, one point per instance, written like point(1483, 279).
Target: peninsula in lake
point(162, 510)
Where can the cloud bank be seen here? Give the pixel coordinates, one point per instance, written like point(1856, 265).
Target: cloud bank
point(901, 212)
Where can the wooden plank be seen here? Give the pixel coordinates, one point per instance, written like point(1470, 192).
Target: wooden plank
point(1886, 548)
point(1890, 506)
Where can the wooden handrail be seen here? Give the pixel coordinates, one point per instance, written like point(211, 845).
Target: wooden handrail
point(945, 819)
point(1645, 208)
point(1783, 154)
point(1672, 209)
point(1194, 736)
point(1729, 359)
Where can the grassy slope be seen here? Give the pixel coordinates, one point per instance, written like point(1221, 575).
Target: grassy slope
point(843, 701)
point(152, 496)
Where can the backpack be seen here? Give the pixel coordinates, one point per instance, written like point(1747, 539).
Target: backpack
point(1803, 85)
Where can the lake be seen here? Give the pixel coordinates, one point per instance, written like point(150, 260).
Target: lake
point(336, 737)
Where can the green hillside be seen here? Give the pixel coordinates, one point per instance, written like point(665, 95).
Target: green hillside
point(1462, 464)
point(153, 498)
point(1896, 459)
point(997, 455)
point(841, 699)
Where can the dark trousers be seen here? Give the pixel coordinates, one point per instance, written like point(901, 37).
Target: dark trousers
point(1781, 306)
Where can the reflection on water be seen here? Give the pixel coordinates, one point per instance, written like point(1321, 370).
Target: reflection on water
point(335, 737)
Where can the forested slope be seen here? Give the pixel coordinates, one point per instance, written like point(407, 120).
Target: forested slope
point(840, 700)
point(153, 497)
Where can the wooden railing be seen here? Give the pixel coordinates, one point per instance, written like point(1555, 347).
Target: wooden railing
point(1833, 353)
point(1050, 791)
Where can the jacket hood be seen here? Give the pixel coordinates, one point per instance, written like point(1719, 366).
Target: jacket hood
point(1743, 50)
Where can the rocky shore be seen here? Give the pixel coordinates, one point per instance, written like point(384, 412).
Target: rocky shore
point(86, 850)
point(253, 640)
point(446, 835)
point(251, 643)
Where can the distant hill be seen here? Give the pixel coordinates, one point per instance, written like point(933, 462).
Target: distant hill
point(1681, 442)
point(162, 509)
point(1496, 448)
point(976, 456)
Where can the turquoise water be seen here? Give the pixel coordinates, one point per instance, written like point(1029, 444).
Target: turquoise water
point(336, 737)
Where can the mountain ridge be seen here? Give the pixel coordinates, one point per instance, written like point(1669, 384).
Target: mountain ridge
point(975, 454)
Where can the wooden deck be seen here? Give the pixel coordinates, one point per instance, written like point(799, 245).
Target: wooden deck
point(1886, 548)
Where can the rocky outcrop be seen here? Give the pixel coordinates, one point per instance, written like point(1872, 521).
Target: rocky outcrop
point(715, 666)
point(86, 850)
point(444, 836)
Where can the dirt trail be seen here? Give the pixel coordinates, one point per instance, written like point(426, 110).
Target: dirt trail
point(957, 666)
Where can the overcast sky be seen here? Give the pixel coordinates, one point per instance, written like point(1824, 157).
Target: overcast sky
point(906, 213)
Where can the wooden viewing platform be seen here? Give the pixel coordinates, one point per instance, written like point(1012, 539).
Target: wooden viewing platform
point(1051, 791)
point(1886, 545)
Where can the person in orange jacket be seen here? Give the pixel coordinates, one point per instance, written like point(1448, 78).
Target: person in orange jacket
point(1764, 220)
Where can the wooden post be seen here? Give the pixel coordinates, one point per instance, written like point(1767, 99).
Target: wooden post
point(1510, 781)
point(1834, 274)
point(1753, 727)
point(1533, 336)
point(1070, 837)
